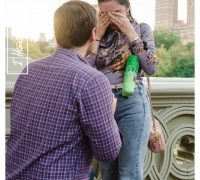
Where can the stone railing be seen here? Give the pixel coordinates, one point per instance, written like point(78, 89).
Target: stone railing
point(173, 103)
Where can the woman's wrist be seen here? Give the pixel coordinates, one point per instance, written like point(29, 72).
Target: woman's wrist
point(98, 38)
point(132, 37)
point(95, 47)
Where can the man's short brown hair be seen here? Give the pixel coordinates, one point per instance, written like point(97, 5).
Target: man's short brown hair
point(73, 23)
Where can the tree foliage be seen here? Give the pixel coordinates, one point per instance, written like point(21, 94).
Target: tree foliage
point(165, 62)
point(183, 57)
point(175, 59)
point(164, 37)
point(34, 49)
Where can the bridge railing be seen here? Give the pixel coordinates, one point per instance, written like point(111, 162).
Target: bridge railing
point(173, 103)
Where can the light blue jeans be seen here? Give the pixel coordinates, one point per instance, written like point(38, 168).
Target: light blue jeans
point(133, 119)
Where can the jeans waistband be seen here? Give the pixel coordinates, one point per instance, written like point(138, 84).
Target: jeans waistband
point(120, 85)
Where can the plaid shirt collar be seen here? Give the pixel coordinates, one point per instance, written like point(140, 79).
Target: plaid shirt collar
point(69, 54)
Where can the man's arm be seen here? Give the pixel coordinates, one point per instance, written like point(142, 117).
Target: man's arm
point(97, 119)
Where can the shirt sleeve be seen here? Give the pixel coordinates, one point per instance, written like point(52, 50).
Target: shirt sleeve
point(97, 119)
point(144, 48)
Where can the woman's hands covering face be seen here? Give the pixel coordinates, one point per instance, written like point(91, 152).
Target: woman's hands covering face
point(121, 21)
point(102, 23)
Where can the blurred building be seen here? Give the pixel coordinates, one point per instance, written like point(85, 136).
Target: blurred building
point(42, 37)
point(166, 16)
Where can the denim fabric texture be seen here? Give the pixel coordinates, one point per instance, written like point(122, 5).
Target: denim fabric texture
point(133, 119)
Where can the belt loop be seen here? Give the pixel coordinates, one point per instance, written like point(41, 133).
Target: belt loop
point(117, 86)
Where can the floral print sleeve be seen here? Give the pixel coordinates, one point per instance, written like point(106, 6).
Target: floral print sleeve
point(144, 48)
point(114, 49)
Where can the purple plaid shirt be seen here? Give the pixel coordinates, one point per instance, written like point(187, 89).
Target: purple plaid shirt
point(60, 117)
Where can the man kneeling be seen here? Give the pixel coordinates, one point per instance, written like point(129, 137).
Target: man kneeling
point(61, 112)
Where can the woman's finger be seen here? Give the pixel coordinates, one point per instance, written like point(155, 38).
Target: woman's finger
point(121, 17)
point(106, 20)
point(107, 23)
point(117, 14)
point(114, 20)
point(102, 16)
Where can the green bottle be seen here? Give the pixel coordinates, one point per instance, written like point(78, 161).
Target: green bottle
point(130, 75)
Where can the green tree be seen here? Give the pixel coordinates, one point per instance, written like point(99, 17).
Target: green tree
point(190, 47)
point(183, 60)
point(178, 52)
point(165, 62)
point(183, 68)
point(166, 38)
point(176, 59)
point(45, 47)
point(32, 49)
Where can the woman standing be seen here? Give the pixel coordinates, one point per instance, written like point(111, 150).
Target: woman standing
point(118, 35)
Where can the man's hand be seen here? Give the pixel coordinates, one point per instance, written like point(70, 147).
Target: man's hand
point(114, 104)
point(102, 24)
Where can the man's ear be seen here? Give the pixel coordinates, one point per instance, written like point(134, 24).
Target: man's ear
point(93, 34)
point(91, 41)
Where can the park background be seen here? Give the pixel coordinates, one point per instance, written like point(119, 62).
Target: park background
point(176, 55)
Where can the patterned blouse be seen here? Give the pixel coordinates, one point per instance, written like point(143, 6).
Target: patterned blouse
point(115, 48)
